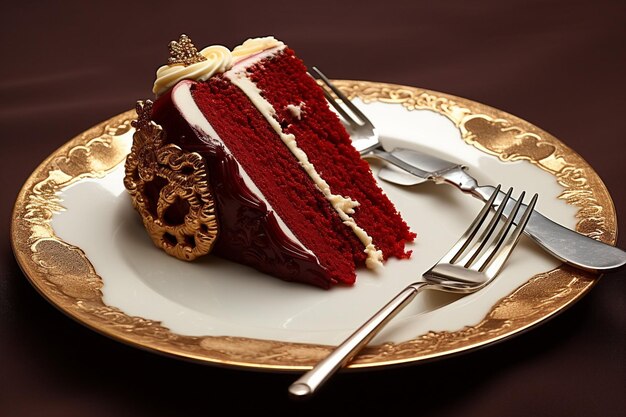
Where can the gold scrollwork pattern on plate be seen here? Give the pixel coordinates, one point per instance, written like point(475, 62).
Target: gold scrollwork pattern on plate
point(74, 286)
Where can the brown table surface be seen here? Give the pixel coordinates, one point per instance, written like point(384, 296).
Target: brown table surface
point(558, 64)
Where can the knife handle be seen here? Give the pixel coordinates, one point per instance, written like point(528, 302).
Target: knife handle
point(565, 244)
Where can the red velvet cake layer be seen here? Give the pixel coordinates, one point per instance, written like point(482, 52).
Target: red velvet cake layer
point(274, 170)
point(283, 81)
point(249, 233)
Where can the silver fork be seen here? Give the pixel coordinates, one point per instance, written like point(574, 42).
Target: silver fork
point(363, 133)
point(471, 264)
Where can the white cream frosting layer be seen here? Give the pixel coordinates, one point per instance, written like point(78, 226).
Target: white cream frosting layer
point(256, 45)
point(344, 206)
point(187, 106)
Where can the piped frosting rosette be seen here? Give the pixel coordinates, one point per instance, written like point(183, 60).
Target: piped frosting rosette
point(213, 60)
point(217, 60)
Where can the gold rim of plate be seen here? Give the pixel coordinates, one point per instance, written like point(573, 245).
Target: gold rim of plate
point(63, 274)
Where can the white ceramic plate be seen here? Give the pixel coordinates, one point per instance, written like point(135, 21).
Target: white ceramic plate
point(216, 311)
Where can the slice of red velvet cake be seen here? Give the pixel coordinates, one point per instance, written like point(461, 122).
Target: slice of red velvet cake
point(249, 161)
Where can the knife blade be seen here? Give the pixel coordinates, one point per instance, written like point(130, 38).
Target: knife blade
point(563, 243)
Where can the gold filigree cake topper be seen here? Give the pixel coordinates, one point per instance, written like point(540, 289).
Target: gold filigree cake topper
point(169, 188)
point(184, 52)
point(144, 115)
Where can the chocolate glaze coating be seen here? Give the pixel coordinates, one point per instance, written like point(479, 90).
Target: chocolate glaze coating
point(249, 233)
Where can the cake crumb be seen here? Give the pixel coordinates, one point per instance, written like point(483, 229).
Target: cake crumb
point(295, 110)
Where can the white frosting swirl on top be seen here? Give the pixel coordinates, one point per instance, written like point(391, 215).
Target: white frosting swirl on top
point(254, 46)
point(218, 60)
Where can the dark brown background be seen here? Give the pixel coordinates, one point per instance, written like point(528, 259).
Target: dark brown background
point(558, 64)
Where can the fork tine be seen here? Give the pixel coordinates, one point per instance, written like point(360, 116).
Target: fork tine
point(484, 238)
point(354, 109)
point(342, 112)
point(459, 247)
point(497, 242)
point(502, 250)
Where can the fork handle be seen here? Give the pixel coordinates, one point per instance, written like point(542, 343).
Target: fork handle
point(377, 152)
point(308, 383)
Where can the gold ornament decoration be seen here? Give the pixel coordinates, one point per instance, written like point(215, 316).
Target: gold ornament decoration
point(169, 188)
point(144, 114)
point(184, 52)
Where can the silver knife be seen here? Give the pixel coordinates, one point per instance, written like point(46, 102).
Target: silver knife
point(565, 244)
